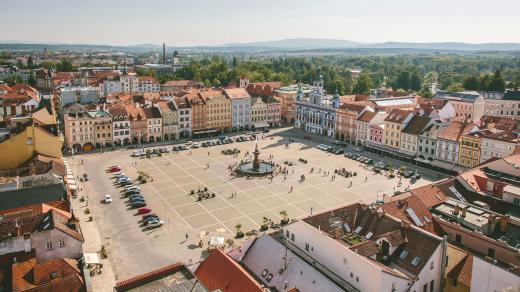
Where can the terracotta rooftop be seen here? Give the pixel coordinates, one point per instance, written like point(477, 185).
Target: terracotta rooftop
point(454, 130)
point(236, 93)
point(397, 116)
point(354, 106)
point(219, 271)
point(404, 208)
point(53, 275)
point(371, 224)
point(175, 277)
point(367, 116)
point(460, 265)
point(183, 83)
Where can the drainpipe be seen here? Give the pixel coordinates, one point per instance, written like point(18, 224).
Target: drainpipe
point(444, 261)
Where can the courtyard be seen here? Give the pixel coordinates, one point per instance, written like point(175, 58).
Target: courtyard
point(238, 200)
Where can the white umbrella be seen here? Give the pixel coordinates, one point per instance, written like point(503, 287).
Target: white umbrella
point(221, 230)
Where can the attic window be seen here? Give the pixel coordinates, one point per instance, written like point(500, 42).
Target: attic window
point(403, 254)
point(54, 275)
point(269, 277)
point(46, 226)
point(358, 229)
point(264, 272)
point(369, 235)
point(416, 261)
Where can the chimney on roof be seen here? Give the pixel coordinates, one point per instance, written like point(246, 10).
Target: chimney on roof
point(380, 213)
point(456, 210)
point(405, 224)
point(463, 212)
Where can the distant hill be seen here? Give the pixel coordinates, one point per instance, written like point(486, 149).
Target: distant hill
point(299, 43)
point(279, 46)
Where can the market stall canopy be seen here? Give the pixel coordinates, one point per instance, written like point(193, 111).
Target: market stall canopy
point(216, 241)
point(91, 258)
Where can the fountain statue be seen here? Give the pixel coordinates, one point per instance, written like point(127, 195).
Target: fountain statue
point(256, 167)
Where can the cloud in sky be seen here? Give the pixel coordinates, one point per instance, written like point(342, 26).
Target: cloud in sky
point(211, 22)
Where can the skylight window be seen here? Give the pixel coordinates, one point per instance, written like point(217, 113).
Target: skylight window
point(369, 235)
point(403, 254)
point(358, 229)
point(416, 261)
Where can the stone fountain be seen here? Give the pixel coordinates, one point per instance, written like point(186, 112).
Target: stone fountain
point(256, 167)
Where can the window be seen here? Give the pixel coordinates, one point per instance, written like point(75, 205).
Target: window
point(292, 236)
point(49, 245)
point(425, 287)
point(403, 254)
point(491, 252)
point(431, 286)
point(62, 243)
point(416, 261)
point(287, 233)
point(306, 246)
point(431, 265)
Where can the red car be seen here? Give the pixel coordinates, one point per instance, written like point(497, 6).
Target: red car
point(114, 168)
point(142, 211)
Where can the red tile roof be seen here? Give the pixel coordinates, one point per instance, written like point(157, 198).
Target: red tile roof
point(397, 116)
point(143, 279)
point(219, 271)
point(430, 195)
point(53, 275)
point(235, 93)
point(367, 116)
point(455, 130)
point(460, 271)
point(398, 209)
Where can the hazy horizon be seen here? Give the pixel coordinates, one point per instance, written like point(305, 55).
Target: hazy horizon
point(209, 23)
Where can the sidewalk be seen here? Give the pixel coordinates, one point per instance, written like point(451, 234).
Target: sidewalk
point(92, 244)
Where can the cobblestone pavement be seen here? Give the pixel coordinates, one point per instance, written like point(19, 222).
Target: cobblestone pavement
point(133, 250)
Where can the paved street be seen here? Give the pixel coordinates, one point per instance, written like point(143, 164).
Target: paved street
point(133, 250)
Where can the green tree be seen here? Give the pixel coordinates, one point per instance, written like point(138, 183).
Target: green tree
point(13, 79)
point(31, 80)
point(403, 80)
point(471, 83)
point(30, 63)
point(415, 81)
point(455, 87)
point(65, 65)
point(363, 84)
point(497, 82)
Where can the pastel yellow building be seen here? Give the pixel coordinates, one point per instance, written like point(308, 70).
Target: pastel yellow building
point(469, 154)
point(394, 124)
point(36, 137)
point(218, 108)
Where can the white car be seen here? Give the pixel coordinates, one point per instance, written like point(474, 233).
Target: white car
point(154, 223)
point(108, 199)
point(195, 145)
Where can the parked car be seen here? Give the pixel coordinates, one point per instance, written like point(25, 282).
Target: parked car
point(219, 142)
point(205, 144)
point(135, 197)
point(155, 224)
point(137, 201)
point(338, 151)
point(358, 149)
point(416, 176)
point(125, 183)
point(149, 215)
point(122, 179)
point(408, 173)
point(195, 145)
point(114, 168)
point(369, 161)
point(151, 219)
point(108, 199)
point(144, 211)
point(138, 205)
point(132, 187)
point(118, 175)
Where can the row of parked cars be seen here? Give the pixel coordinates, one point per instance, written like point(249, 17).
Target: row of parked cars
point(135, 198)
point(190, 145)
point(359, 157)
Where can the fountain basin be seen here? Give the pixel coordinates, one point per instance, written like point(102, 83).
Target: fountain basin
point(246, 168)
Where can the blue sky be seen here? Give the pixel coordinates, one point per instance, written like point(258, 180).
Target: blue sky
point(211, 22)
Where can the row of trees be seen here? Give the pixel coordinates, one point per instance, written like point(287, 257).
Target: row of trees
point(408, 72)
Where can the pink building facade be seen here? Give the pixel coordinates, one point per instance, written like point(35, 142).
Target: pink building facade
point(375, 135)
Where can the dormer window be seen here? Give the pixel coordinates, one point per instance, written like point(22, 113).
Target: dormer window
point(416, 261)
